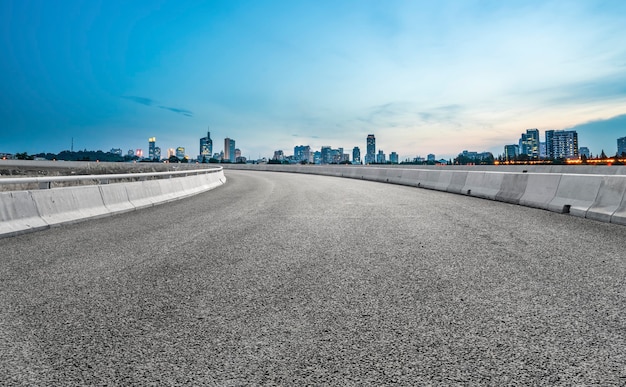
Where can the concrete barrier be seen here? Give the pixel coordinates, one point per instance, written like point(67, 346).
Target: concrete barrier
point(576, 193)
point(540, 190)
point(512, 187)
point(609, 199)
point(115, 198)
point(484, 185)
point(19, 214)
point(69, 204)
point(457, 182)
point(27, 211)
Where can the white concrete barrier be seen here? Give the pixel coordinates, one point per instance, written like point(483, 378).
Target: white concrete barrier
point(457, 182)
point(540, 190)
point(25, 211)
point(19, 214)
point(512, 187)
point(69, 204)
point(576, 193)
point(484, 185)
point(115, 198)
point(610, 197)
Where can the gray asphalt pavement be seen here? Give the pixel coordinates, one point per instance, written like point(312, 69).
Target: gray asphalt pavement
point(285, 279)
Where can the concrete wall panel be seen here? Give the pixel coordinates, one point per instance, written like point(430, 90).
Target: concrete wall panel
point(457, 182)
point(610, 197)
point(512, 187)
point(576, 193)
point(540, 190)
point(18, 213)
point(484, 185)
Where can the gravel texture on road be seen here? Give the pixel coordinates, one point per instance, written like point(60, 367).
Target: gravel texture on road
point(287, 279)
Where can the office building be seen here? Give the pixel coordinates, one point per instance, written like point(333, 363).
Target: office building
point(511, 152)
point(393, 158)
point(356, 155)
point(380, 157)
point(370, 154)
point(302, 153)
point(180, 152)
point(529, 144)
point(621, 146)
point(151, 148)
point(229, 150)
point(206, 147)
point(430, 158)
point(562, 144)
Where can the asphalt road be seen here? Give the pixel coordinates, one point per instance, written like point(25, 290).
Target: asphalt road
point(285, 279)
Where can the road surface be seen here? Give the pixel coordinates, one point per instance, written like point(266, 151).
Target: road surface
point(290, 279)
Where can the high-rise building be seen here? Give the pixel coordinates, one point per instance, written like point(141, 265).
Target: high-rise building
point(562, 144)
point(430, 158)
point(511, 152)
point(206, 147)
point(370, 154)
point(393, 158)
point(229, 149)
point(326, 155)
point(529, 143)
point(180, 152)
point(380, 157)
point(302, 153)
point(621, 146)
point(356, 155)
point(151, 148)
point(171, 152)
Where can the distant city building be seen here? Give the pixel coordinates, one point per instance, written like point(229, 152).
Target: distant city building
point(241, 160)
point(157, 153)
point(317, 157)
point(584, 151)
point(370, 154)
point(139, 153)
point(561, 144)
point(131, 153)
point(621, 146)
point(393, 158)
point(152, 148)
point(302, 153)
point(180, 152)
point(206, 147)
point(326, 155)
point(529, 143)
point(356, 155)
point(171, 152)
point(229, 149)
point(279, 155)
point(430, 158)
point(380, 157)
point(116, 151)
point(543, 150)
point(511, 152)
point(237, 153)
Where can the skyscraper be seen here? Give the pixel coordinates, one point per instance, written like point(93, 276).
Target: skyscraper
point(370, 155)
point(511, 152)
point(151, 148)
point(529, 143)
point(356, 155)
point(180, 152)
point(206, 147)
point(621, 146)
point(229, 149)
point(562, 144)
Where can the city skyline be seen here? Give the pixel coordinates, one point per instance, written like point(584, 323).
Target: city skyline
point(425, 77)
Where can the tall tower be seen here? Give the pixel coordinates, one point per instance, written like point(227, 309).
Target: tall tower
point(229, 149)
point(206, 147)
point(152, 148)
point(370, 154)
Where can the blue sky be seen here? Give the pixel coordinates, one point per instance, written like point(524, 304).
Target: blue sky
point(423, 76)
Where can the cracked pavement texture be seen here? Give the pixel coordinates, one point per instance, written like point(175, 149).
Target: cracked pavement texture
point(287, 279)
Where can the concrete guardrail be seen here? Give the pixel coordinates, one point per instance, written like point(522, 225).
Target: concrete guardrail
point(31, 210)
point(597, 193)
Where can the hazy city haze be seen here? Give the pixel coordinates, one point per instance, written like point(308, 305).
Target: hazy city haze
point(426, 77)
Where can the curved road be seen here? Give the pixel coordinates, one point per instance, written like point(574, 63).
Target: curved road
point(298, 279)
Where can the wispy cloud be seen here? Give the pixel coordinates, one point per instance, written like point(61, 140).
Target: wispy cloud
point(150, 102)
